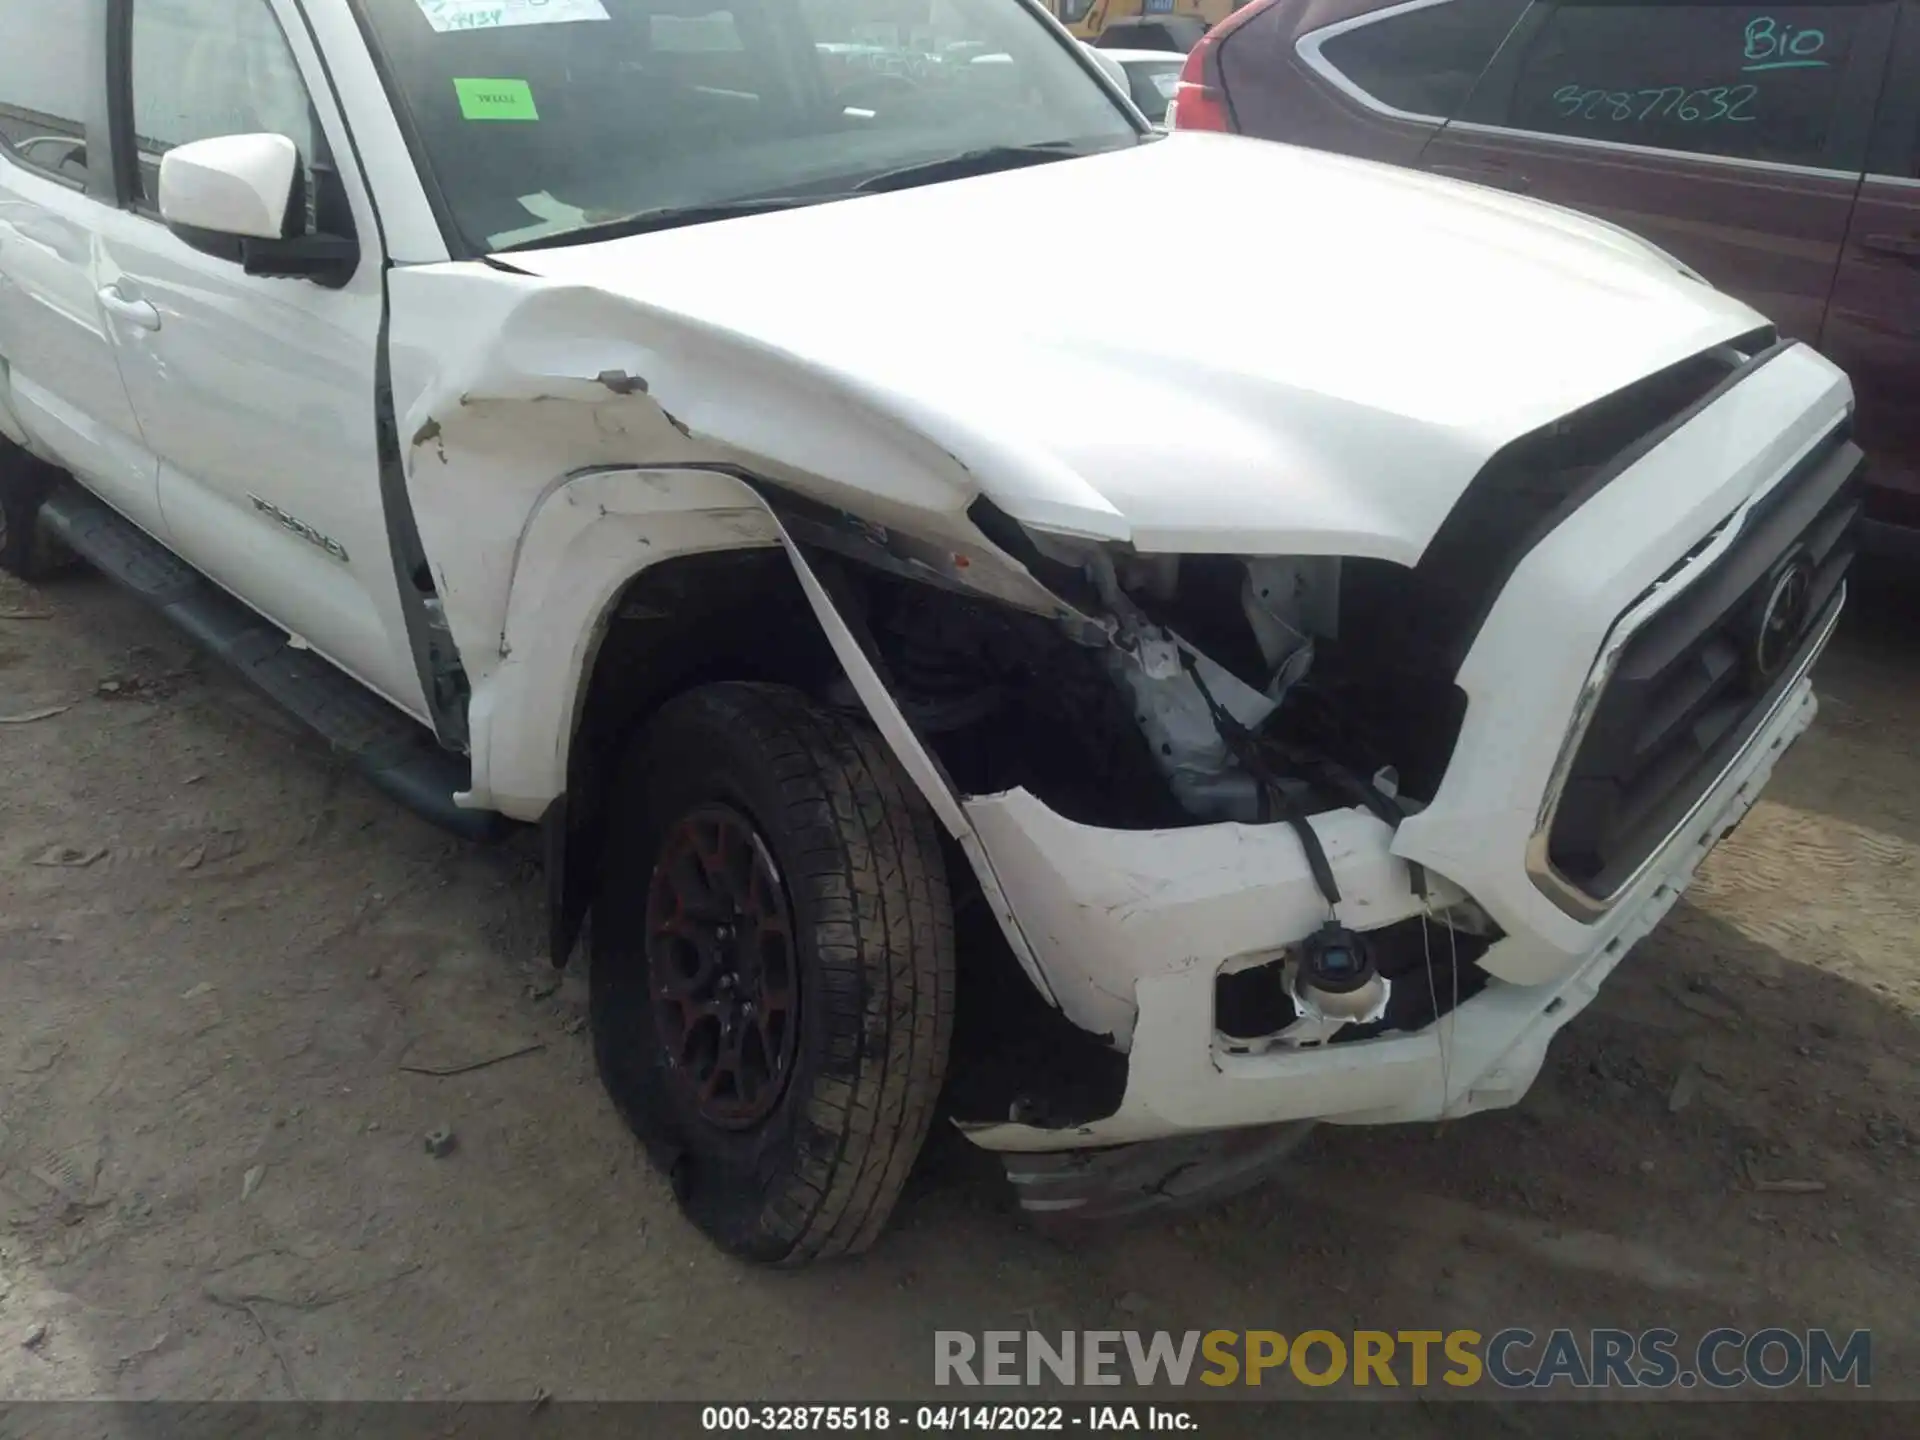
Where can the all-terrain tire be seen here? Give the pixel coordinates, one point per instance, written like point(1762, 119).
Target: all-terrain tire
point(858, 856)
point(25, 550)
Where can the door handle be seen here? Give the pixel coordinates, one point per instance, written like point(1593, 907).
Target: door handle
point(1497, 176)
point(1900, 247)
point(134, 312)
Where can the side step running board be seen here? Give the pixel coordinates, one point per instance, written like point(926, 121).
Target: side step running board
point(395, 753)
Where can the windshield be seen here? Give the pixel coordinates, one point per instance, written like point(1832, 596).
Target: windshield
point(541, 118)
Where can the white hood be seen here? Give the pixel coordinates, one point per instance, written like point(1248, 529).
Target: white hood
point(1205, 344)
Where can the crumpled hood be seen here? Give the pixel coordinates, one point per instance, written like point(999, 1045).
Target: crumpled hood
point(1204, 344)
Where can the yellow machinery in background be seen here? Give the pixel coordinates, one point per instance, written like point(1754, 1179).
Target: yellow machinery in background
point(1088, 19)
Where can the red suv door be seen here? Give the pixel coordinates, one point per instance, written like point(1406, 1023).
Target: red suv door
point(1873, 326)
point(1733, 136)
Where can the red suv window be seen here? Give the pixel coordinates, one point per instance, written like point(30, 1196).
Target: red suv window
point(1751, 81)
point(1422, 57)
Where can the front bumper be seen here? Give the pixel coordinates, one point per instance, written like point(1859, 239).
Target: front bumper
point(1132, 928)
point(1485, 1054)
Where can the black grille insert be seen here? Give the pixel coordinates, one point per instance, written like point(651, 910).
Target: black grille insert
point(1692, 685)
point(1535, 483)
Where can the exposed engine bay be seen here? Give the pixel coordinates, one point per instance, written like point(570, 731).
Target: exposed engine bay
point(1213, 688)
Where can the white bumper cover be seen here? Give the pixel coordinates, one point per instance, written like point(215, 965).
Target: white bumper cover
point(1132, 928)
point(1482, 1056)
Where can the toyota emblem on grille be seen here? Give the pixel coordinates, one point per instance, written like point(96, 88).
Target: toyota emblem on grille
point(1783, 619)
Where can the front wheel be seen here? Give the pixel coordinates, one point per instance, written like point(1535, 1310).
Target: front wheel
point(772, 969)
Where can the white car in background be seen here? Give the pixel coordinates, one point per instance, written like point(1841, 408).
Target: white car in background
point(1150, 77)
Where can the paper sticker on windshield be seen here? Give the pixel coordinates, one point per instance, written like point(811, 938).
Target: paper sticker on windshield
point(1166, 82)
point(445, 15)
point(555, 218)
point(496, 99)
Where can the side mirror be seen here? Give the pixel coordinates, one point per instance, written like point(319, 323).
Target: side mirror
point(240, 198)
point(233, 185)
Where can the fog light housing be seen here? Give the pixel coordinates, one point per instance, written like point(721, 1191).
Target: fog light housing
point(1335, 978)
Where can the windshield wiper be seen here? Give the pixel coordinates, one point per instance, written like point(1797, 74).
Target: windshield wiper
point(983, 161)
point(669, 217)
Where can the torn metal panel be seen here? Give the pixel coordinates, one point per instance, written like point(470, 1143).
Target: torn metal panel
point(921, 767)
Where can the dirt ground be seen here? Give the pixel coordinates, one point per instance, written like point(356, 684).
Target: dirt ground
point(225, 963)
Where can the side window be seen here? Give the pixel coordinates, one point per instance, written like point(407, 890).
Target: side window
point(1750, 81)
point(204, 68)
point(45, 81)
point(1421, 57)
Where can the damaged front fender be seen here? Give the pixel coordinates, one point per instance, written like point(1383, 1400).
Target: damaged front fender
point(505, 387)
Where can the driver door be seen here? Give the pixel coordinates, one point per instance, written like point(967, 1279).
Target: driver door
point(257, 394)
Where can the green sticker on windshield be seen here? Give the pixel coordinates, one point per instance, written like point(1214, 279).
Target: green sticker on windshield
point(496, 99)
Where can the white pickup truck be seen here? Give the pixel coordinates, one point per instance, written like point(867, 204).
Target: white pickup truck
point(663, 423)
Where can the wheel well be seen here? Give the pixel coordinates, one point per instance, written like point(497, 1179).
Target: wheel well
point(689, 621)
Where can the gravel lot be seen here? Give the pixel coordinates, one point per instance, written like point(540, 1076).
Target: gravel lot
point(225, 965)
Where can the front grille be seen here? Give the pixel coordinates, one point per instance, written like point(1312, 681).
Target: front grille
point(1688, 688)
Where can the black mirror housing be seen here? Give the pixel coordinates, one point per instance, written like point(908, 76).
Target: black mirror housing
point(326, 260)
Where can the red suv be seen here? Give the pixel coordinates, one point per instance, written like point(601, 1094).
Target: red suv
point(1773, 148)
